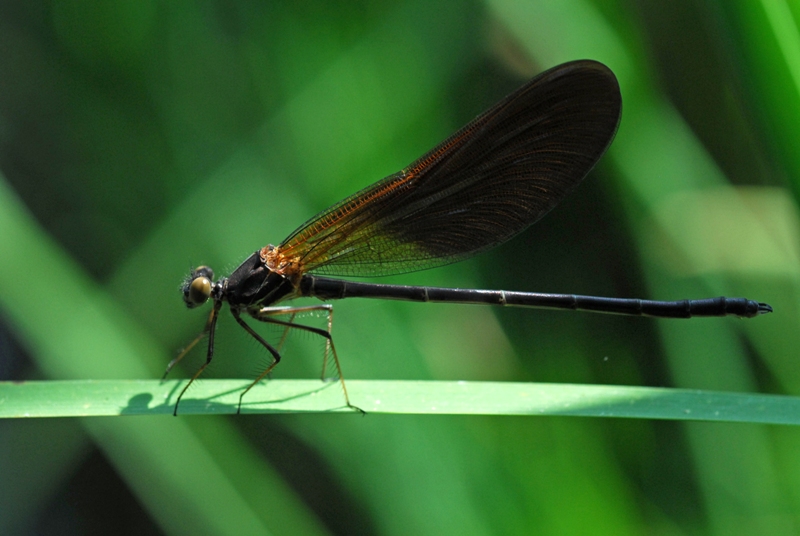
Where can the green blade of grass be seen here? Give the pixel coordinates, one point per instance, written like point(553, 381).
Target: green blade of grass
point(209, 397)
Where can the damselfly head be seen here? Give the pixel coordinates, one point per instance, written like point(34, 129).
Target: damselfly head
point(197, 287)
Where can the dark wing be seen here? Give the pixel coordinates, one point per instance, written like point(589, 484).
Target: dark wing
point(480, 187)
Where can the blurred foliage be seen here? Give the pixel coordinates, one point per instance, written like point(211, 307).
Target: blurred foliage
point(140, 138)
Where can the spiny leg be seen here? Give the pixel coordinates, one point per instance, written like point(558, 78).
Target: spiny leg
point(264, 315)
point(278, 349)
point(188, 348)
point(261, 315)
point(210, 329)
point(275, 355)
point(280, 344)
point(286, 332)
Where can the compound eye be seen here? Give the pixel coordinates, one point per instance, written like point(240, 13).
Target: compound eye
point(198, 292)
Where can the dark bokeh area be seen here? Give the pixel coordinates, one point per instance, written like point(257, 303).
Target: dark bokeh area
point(140, 139)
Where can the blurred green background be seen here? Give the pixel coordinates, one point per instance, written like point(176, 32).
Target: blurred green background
point(139, 139)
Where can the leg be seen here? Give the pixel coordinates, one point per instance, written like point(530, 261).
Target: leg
point(210, 329)
point(212, 319)
point(276, 356)
point(265, 315)
point(285, 333)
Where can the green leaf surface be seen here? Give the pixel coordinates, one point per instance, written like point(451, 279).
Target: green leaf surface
point(96, 398)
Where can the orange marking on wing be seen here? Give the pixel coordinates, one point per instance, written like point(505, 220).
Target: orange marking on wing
point(298, 248)
point(438, 154)
point(333, 220)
